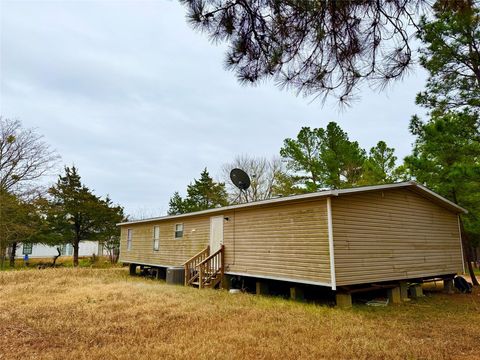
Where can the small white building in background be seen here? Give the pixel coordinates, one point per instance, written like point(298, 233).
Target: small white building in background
point(86, 248)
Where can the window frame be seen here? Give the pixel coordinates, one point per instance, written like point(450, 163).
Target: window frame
point(129, 239)
point(156, 239)
point(178, 234)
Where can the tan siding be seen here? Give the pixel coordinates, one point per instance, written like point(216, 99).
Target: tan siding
point(393, 234)
point(285, 241)
point(172, 251)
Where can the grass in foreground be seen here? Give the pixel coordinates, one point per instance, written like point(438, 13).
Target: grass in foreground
point(106, 314)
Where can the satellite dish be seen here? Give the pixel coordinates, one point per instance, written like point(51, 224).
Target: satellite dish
point(240, 179)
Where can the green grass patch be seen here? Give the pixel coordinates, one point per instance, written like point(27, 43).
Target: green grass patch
point(96, 262)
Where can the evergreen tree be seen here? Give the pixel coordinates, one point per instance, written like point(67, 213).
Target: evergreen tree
point(446, 158)
point(303, 156)
point(324, 158)
point(315, 47)
point(20, 221)
point(379, 167)
point(202, 194)
point(108, 233)
point(76, 214)
point(451, 55)
point(341, 158)
point(176, 205)
point(286, 184)
point(446, 155)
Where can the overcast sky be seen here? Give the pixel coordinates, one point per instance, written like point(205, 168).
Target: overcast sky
point(141, 103)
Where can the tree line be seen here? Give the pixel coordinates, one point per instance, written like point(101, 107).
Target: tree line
point(64, 213)
point(319, 158)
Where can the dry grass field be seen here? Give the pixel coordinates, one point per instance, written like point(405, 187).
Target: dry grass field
point(106, 314)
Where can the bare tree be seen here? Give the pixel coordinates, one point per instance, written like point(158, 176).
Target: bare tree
point(24, 156)
point(263, 173)
point(143, 213)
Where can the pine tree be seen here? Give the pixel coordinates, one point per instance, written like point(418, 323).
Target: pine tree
point(446, 155)
point(379, 167)
point(202, 194)
point(342, 159)
point(446, 158)
point(324, 158)
point(451, 55)
point(315, 47)
point(176, 205)
point(303, 156)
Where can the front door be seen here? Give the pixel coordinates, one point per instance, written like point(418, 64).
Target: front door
point(216, 233)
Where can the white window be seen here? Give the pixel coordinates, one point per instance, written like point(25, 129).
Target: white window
point(67, 249)
point(178, 231)
point(156, 238)
point(129, 239)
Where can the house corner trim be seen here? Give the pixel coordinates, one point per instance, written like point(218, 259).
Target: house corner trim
point(330, 243)
point(461, 243)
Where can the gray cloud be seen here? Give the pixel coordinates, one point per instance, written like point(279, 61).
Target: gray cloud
point(141, 103)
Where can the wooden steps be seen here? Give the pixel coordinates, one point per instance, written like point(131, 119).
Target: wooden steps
point(204, 270)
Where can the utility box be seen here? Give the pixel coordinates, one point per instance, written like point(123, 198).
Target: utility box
point(176, 275)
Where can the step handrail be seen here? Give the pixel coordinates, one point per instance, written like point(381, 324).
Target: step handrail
point(211, 268)
point(211, 256)
point(191, 272)
point(207, 249)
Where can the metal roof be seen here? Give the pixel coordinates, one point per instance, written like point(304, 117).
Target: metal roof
point(412, 185)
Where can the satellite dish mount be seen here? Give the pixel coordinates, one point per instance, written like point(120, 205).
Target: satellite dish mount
point(241, 180)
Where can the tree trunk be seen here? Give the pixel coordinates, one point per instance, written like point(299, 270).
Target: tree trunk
point(56, 257)
point(475, 256)
point(13, 253)
point(111, 255)
point(76, 243)
point(114, 255)
point(2, 257)
point(467, 253)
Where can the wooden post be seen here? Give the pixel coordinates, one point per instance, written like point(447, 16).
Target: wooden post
point(224, 284)
point(344, 300)
point(404, 290)
point(448, 286)
point(187, 274)
point(133, 269)
point(296, 293)
point(394, 296)
point(416, 291)
point(261, 288)
point(200, 276)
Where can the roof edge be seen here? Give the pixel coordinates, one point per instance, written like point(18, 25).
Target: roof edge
point(318, 194)
point(440, 197)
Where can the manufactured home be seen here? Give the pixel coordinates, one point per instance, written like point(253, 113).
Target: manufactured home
point(335, 238)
